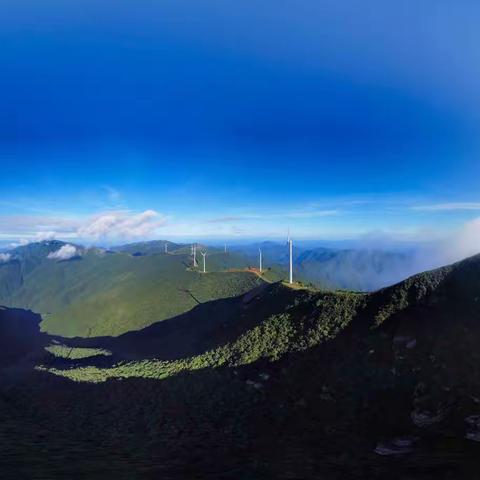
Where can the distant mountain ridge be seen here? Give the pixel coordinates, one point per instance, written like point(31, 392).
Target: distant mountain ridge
point(355, 269)
point(360, 269)
point(149, 247)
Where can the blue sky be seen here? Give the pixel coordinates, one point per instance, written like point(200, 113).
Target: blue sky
point(125, 120)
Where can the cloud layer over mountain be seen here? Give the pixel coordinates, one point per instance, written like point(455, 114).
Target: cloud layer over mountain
point(66, 252)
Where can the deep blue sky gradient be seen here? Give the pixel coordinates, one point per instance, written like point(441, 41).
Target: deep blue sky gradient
point(236, 110)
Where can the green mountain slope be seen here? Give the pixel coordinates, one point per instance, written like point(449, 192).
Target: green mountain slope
point(273, 320)
point(280, 379)
point(398, 360)
point(101, 293)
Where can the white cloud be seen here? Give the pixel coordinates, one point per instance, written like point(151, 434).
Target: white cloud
point(122, 224)
point(37, 237)
point(453, 247)
point(445, 207)
point(64, 253)
point(42, 236)
point(5, 257)
point(465, 242)
point(108, 225)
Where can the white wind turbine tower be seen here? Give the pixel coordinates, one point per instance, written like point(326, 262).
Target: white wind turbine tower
point(260, 259)
point(166, 247)
point(204, 254)
point(194, 253)
point(290, 252)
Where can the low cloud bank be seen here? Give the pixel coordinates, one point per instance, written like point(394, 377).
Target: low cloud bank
point(66, 252)
point(380, 259)
point(465, 242)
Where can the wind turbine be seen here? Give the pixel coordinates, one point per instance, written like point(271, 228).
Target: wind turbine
point(260, 260)
point(194, 253)
point(225, 248)
point(166, 247)
point(290, 252)
point(204, 254)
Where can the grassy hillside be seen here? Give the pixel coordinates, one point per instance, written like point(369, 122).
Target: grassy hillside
point(102, 293)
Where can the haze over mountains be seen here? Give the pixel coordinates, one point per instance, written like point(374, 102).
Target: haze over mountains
point(350, 268)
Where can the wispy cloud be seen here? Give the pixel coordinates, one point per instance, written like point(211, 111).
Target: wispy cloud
point(109, 225)
point(311, 213)
point(227, 219)
point(122, 224)
point(112, 193)
point(445, 207)
point(300, 213)
point(37, 223)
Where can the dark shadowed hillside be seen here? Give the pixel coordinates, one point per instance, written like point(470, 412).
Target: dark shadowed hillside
point(20, 335)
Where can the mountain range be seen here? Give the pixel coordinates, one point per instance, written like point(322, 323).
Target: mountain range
point(109, 291)
point(104, 292)
point(277, 382)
